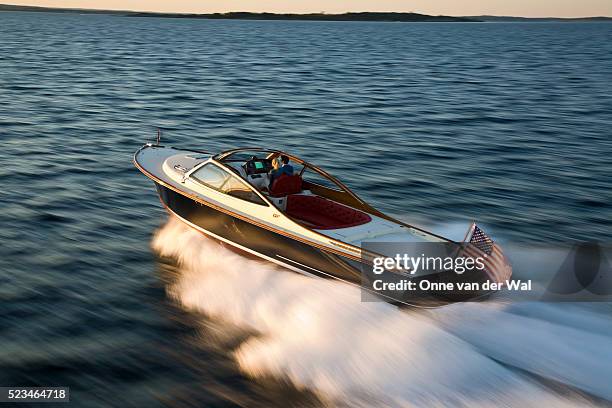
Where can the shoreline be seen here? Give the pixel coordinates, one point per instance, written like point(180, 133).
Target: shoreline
point(398, 17)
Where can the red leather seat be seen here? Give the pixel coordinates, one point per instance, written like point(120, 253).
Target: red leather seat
point(323, 213)
point(285, 185)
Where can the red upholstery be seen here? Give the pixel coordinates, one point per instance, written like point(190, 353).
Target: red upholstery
point(323, 213)
point(285, 185)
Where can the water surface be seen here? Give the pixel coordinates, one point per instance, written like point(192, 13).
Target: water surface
point(437, 123)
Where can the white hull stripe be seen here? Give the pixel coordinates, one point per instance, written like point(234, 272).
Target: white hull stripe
point(311, 268)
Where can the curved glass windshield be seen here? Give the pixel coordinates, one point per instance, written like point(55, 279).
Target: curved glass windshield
point(211, 175)
point(221, 180)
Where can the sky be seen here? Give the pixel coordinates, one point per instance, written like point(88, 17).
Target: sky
point(525, 8)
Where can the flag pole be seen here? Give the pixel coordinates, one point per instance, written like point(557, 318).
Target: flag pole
point(470, 231)
point(461, 248)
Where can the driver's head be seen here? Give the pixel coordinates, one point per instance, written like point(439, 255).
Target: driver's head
point(276, 163)
point(284, 159)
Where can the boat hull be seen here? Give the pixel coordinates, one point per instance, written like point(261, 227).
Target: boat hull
point(259, 241)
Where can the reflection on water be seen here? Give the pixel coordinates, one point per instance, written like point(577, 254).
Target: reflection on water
point(439, 123)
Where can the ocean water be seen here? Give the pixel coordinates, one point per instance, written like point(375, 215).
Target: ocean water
point(439, 124)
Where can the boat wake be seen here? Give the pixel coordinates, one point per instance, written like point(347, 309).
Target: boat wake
point(319, 335)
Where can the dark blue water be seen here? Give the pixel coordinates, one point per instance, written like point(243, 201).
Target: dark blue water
point(509, 124)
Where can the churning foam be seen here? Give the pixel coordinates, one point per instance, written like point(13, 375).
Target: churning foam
point(319, 335)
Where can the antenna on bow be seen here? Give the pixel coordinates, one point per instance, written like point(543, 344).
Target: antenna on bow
point(158, 136)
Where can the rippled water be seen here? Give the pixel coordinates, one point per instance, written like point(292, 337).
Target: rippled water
point(437, 123)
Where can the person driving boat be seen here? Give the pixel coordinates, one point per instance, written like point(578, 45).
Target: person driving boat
point(280, 166)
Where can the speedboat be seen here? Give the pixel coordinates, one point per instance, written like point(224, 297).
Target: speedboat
point(308, 222)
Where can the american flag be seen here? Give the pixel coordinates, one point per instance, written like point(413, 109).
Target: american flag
point(479, 244)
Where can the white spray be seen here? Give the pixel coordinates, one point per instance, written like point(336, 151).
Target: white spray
point(319, 335)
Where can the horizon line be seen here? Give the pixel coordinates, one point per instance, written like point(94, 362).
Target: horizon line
point(297, 14)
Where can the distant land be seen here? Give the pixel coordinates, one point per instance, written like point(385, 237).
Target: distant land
point(353, 16)
point(362, 16)
point(509, 19)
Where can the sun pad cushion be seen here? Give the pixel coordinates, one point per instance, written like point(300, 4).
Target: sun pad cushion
point(323, 213)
